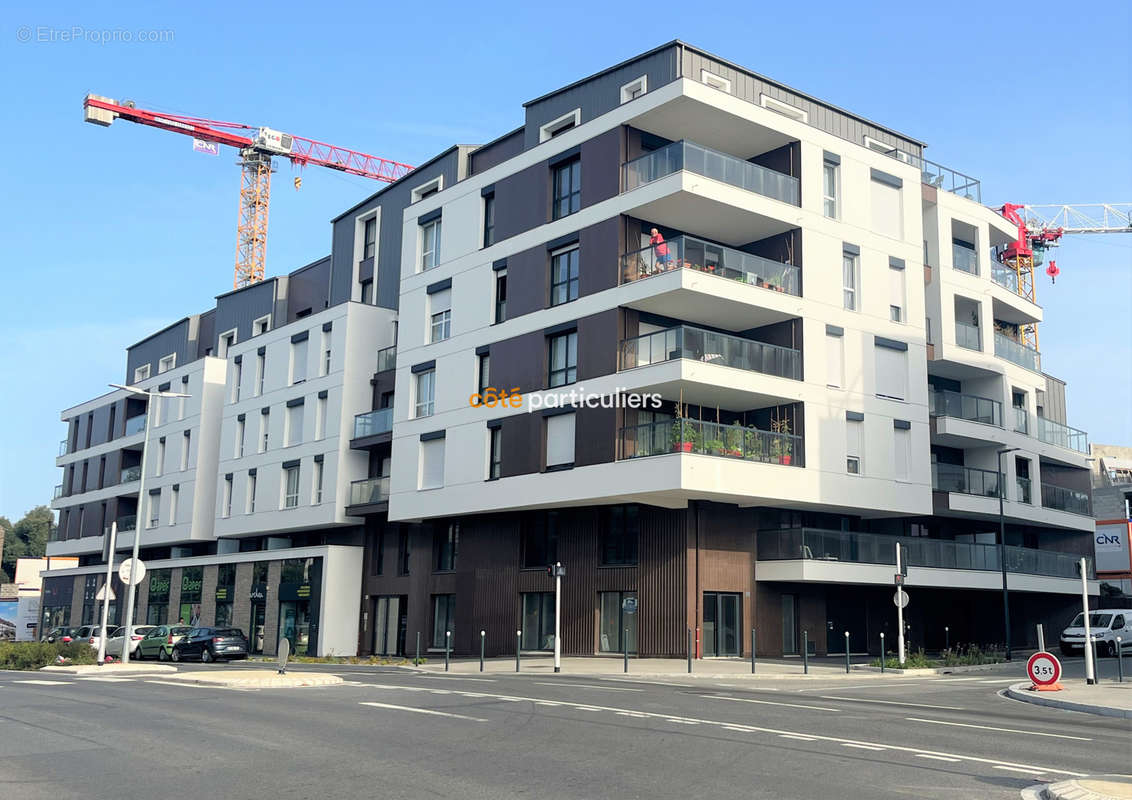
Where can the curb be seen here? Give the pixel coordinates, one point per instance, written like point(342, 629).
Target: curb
point(293, 680)
point(110, 669)
point(930, 670)
point(1019, 691)
point(1088, 789)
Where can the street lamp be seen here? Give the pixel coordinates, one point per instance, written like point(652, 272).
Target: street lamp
point(1002, 546)
point(130, 591)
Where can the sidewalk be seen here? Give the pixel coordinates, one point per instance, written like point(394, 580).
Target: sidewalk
point(110, 668)
point(257, 679)
point(1106, 699)
point(1099, 787)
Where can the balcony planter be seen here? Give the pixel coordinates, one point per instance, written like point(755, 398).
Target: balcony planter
point(683, 436)
point(714, 447)
point(754, 445)
point(735, 442)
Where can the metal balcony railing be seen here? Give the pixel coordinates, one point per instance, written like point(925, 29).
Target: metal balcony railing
point(711, 347)
point(971, 407)
point(372, 423)
point(688, 252)
point(1005, 277)
point(1060, 498)
point(387, 358)
point(63, 447)
point(58, 491)
point(369, 491)
point(128, 523)
point(965, 480)
point(871, 548)
point(131, 474)
point(968, 336)
point(941, 177)
point(1060, 435)
point(711, 439)
point(1028, 357)
point(684, 155)
point(135, 425)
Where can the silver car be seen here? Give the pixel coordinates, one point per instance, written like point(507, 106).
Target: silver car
point(118, 638)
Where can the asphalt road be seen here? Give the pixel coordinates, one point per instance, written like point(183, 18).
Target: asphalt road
point(394, 733)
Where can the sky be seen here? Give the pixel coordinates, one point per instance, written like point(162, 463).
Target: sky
point(113, 233)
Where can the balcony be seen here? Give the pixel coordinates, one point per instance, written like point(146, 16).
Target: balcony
point(1060, 435)
point(127, 523)
point(369, 491)
point(964, 259)
point(1021, 420)
point(1061, 499)
point(135, 425)
point(966, 406)
point(1024, 490)
point(688, 252)
point(941, 177)
point(58, 491)
point(871, 548)
point(387, 358)
point(710, 347)
point(1028, 357)
point(1005, 277)
point(131, 474)
point(684, 155)
point(63, 449)
point(372, 423)
point(710, 439)
point(968, 336)
point(964, 480)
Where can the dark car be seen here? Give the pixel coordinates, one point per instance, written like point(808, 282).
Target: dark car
point(61, 635)
point(212, 644)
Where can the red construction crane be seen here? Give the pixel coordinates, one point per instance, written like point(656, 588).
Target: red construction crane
point(256, 145)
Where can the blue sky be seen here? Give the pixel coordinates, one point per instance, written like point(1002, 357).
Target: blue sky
point(114, 233)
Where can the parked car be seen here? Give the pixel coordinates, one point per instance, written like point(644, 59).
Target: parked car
point(59, 635)
point(212, 644)
point(158, 643)
point(118, 638)
point(90, 633)
point(1104, 625)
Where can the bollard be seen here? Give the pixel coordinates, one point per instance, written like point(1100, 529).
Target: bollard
point(447, 648)
point(482, 635)
point(946, 638)
point(883, 654)
point(689, 651)
point(625, 649)
point(805, 652)
point(1096, 659)
point(753, 640)
point(1119, 662)
point(518, 647)
point(846, 652)
point(417, 660)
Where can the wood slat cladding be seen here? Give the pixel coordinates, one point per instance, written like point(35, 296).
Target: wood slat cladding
point(722, 547)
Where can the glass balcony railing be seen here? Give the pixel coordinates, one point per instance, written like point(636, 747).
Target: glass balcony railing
point(128, 523)
point(966, 406)
point(723, 349)
point(1021, 420)
point(1061, 499)
point(968, 336)
point(63, 447)
point(58, 491)
point(1024, 493)
point(373, 422)
point(369, 491)
point(1060, 435)
point(386, 358)
point(965, 480)
point(941, 177)
point(688, 252)
point(131, 474)
point(872, 548)
point(135, 425)
point(1005, 277)
point(965, 259)
point(711, 439)
point(712, 164)
point(1028, 357)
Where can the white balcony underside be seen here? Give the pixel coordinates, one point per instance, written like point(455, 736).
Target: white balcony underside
point(710, 384)
point(697, 297)
point(963, 434)
point(971, 506)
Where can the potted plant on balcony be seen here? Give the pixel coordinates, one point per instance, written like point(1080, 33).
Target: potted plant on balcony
point(683, 435)
point(754, 444)
point(714, 447)
point(735, 441)
point(782, 443)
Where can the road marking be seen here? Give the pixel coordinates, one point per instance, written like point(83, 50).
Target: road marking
point(858, 686)
point(799, 737)
point(1001, 680)
point(423, 711)
point(46, 683)
point(934, 757)
point(953, 680)
point(588, 686)
point(886, 702)
point(736, 728)
point(1003, 730)
point(769, 703)
point(549, 703)
point(775, 731)
point(861, 746)
point(457, 678)
point(1020, 769)
point(108, 680)
point(679, 721)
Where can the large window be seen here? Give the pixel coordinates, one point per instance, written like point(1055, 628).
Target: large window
point(564, 276)
point(495, 456)
point(445, 543)
point(441, 315)
point(293, 425)
point(563, 359)
point(432, 464)
point(426, 393)
point(618, 626)
point(157, 608)
point(560, 441)
point(854, 438)
point(500, 296)
point(299, 361)
point(290, 487)
point(539, 539)
point(430, 244)
point(850, 275)
point(567, 188)
point(488, 220)
point(830, 178)
point(620, 534)
point(891, 372)
point(369, 247)
point(538, 621)
point(443, 618)
point(483, 367)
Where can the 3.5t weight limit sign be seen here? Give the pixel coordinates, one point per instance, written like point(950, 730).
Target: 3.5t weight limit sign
point(1044, 669)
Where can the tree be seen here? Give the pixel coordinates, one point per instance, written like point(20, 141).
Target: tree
point(27, 538)
point(5, 535)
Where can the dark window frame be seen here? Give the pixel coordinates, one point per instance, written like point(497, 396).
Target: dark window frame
point(620, 537)
point(483, 371)
point(445, 547)
point(566, 197)
point(489, 219)
point(449, 601)
point(495, 454)
point(565, 267)
point(538, 540)
point(500, 296)
point(369, 238)
point(568, 372)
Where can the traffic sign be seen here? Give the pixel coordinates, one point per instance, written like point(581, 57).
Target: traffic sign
point(1044, 669)
point(899, 579)
point(629, 605)
point(900, 599)
point(124, 571)
point(102, 594)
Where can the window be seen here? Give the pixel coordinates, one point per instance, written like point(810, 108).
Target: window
point(159, 467)
point(500, 296)
point(831, 178)
point(620, 535)
point(563, 359)
point(377, 552)
point(226, 503)
point(964, 256)
point(320, 419)
point(186, 442)
point(715, 81)
point(892, 373)
point(324, 362)
point(260, 369)
point(432, 464)
point(441, 315)
point(428, 189)
point(567, 188)
point(290, 487)
point(141, 373)
point(443, 617)
point(174, 494)
point(264, 430)
point(445, 543)
point(634, 89)
point(539, 539)
point(369, 238)
point(299, 361)
point(495, 453)
point(225, 342)
point(237, 374)
point(294, 426)
point(785, 109)
point(560, 125)
point(853, 439)
point(850, 276)
point(560, 441)
point(835, 360)
point(158, 404)
point(886, 207)
point(167, 363)
point(403, 551)
point(240, 432)
point(154, 516)
point(430, 244)
point(564, 276)
point(896, 290)
point(538, 621)
point(252, 480)
point(617, 629)
point(367, 292)
point(901, 452)
point(261, 325)
point(488, 220)
point(426, 393)
point(181, 400)
point(317, 494)
point(483, 368)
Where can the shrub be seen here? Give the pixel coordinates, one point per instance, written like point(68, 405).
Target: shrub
point(33, 655)
point(913, 660)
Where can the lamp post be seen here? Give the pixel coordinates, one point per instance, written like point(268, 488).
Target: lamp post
point(1002, 546)
point(131, 589)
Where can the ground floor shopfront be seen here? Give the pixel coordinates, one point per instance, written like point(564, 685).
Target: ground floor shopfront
point(304, 595)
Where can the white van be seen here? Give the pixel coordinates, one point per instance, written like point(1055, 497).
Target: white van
point(1105, 625)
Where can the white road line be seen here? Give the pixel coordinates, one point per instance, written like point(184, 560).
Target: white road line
point(1020, 769)
point(108, 680)
point(859, 686)
point(953, 680)
point(861, 746)
point(1002, 680)
point(797, 736)
point(679, 721)
point(1003, 730)
point(886, 702)
point(769, 703)
point(776, 731)
point(46, 683)
point(458, 678)
point(934, 757)
point(736, 728)
point(423, 711)
point(588, 686)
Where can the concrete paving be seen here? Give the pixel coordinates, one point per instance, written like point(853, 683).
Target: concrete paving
point(110, 668)
point(1104, 699)
point(1102, 787)
point(258, 678)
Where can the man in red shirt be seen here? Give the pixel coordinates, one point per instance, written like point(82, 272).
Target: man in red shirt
point(660, 248)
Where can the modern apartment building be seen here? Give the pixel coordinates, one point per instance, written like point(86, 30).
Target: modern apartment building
point(1112, 507)
point(713, 344)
